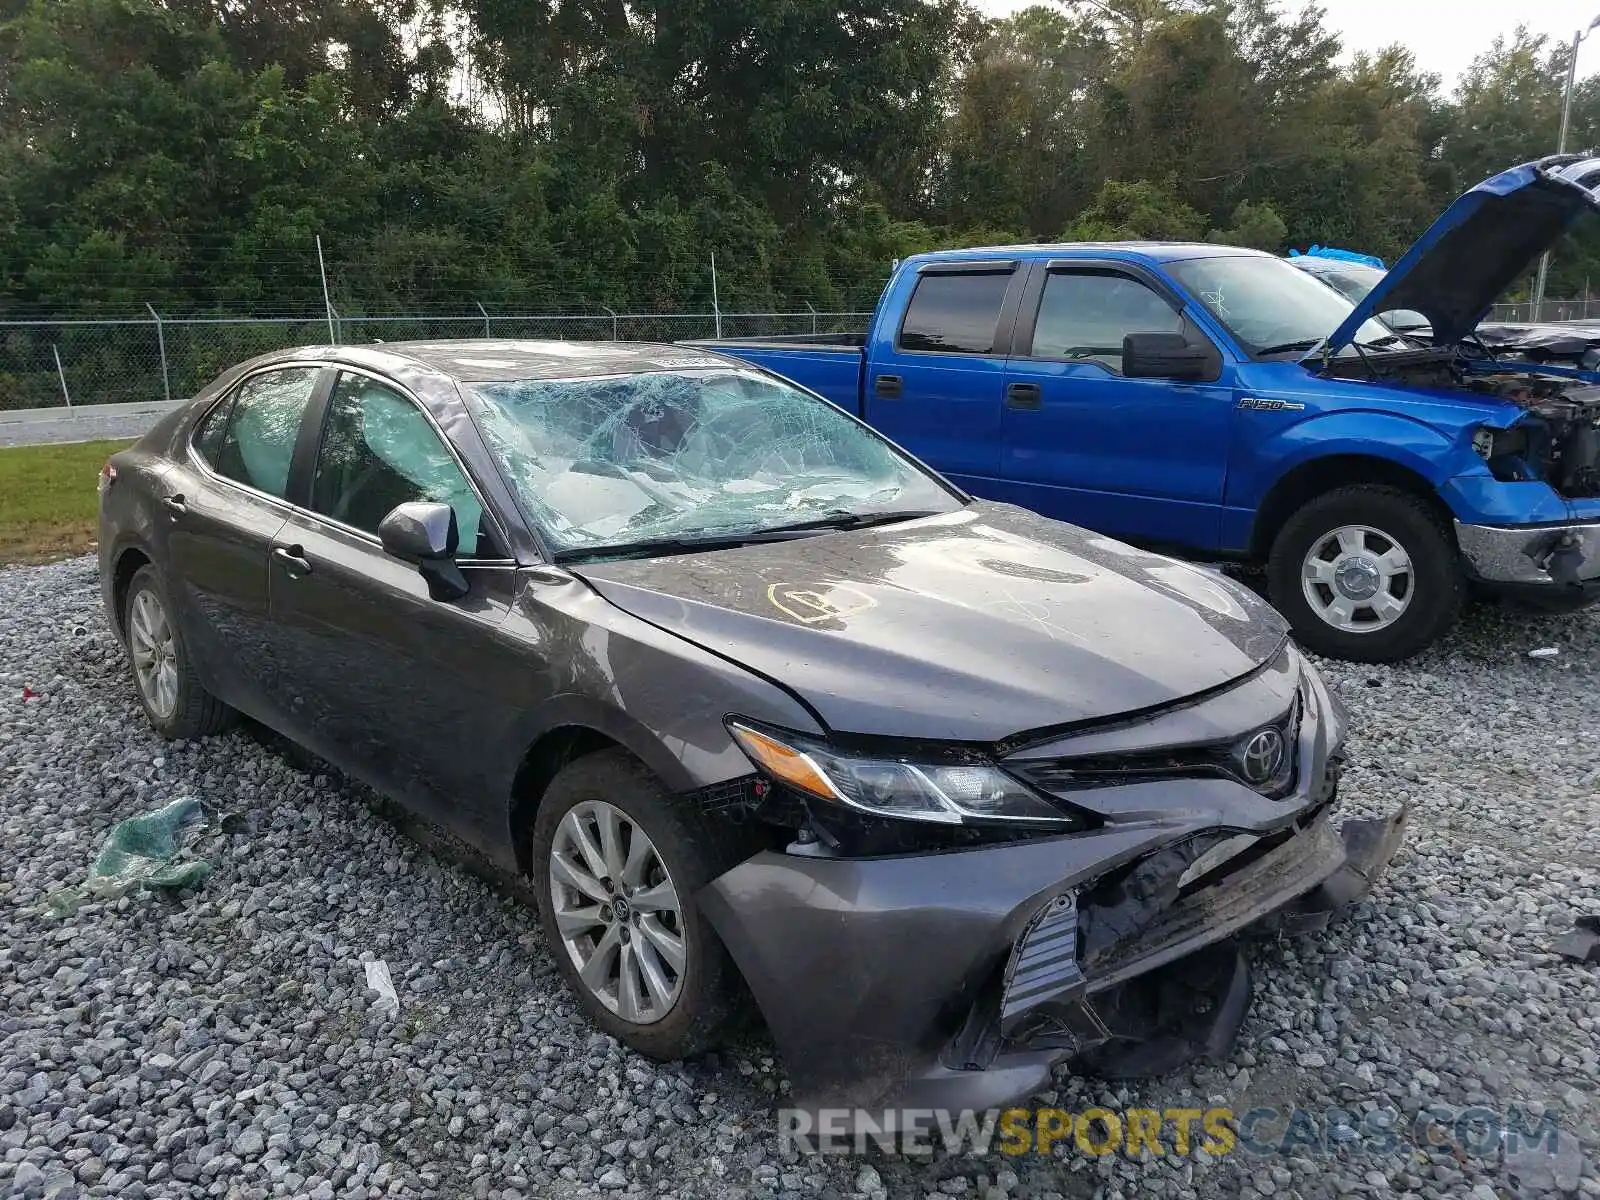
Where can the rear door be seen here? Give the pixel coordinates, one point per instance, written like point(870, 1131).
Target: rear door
point(933, 382)
point(224, 503)
point(1141, 459)
point(410, 693)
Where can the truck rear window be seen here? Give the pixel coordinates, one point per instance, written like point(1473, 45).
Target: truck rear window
point(955, 313)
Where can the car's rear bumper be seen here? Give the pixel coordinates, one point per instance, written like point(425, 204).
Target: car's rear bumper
point(1533, 558)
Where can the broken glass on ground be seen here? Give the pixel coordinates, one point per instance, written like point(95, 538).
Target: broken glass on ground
point(150, 851)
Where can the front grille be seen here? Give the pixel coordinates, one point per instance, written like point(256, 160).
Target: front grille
point(1221, 759)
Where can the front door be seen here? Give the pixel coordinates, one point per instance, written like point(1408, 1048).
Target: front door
point(223, 508)
point(1140, 459)
point(410, 693)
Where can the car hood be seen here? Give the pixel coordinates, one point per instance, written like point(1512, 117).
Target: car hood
point(1544, 343)
point(975, 626)
point(1479, 245)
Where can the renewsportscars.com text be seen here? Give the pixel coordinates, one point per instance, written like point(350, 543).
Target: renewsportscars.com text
point(1217, 1131)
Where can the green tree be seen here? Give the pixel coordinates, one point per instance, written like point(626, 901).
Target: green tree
point(1017, 147)
point(1255, 225)
point(1137, 210)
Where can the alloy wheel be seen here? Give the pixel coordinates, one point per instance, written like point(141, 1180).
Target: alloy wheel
point(1358, 579)
point(155, 654)
point(618, 912)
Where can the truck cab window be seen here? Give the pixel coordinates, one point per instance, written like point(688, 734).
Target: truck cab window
point(955, 313)
point(1086, 316)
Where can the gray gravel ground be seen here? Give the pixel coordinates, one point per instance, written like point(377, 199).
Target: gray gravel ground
point(222, 1044)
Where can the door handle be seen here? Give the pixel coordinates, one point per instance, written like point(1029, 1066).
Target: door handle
point(1023, 395)
point(294, 560)
point(176, 505)
point(887, 387)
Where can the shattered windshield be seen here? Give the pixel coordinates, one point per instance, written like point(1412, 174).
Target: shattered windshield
point(614, 461)
point(1269, 306)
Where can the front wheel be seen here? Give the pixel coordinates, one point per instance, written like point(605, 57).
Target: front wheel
point(1367, 574)
point(617, 863)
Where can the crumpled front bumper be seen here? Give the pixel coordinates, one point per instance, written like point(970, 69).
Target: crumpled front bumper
point(889, 984)
point(960, 980)
point(1554, 557)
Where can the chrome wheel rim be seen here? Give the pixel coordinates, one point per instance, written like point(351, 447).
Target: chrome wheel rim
point(617, 912)
point(1358, 579)
point(155, 654)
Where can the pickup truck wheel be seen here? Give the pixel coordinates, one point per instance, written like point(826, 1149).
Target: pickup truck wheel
point(617, 862)
point(1366, 573)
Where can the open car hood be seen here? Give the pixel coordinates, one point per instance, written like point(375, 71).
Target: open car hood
point(1483, 241)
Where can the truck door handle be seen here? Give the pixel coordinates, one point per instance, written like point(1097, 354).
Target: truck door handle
point(887, 387)
point(176, 505)
point(294, 560)
point(1023, 395)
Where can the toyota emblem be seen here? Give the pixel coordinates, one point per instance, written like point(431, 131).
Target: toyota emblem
point(1262, 756)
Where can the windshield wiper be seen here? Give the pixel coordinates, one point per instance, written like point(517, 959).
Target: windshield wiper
point(848, 520)
point(649, 547)
point(1387, 342)
point(727, 541)
point(1285, 347)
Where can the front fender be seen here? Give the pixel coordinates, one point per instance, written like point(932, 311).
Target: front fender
point(658, 695)
point(575, 710)
point(1414, 445)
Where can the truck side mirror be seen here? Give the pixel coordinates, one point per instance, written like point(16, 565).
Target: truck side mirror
point(1169, 356)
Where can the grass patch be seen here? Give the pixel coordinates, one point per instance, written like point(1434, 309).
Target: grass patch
point(49, 502)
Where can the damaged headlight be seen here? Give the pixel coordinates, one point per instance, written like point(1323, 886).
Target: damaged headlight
point(963, 793)
point(1506, 450)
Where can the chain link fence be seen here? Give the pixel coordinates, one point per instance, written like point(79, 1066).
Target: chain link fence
point(48, 364)
point(1584, 309)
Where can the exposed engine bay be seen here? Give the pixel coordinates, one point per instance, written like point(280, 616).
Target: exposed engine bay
point(1561, 446)
point(1557, 443)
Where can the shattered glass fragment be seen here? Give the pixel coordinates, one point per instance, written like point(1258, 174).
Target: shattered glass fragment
point(147, 851)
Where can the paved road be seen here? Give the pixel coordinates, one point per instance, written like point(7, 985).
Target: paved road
point(90, 423)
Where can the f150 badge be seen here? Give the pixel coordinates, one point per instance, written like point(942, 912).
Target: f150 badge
point(1262, 404)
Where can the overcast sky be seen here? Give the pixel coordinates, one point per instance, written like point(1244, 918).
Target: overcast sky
point(1445, 35)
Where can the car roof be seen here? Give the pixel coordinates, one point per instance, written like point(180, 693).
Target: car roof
point(1155, 251)
point(486, 360)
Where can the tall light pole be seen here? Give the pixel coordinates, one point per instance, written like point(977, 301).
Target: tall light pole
point(1561, 147)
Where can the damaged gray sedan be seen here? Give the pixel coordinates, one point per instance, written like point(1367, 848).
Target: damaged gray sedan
point(760, 703)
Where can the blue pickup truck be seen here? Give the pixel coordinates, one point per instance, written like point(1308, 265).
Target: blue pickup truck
point(1222, 404)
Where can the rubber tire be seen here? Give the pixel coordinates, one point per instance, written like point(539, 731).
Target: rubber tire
point(695, 849)
point(1437, 576)
point(198, 713)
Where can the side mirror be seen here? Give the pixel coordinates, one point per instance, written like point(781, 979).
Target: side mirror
point(1169, 356)
point(426, 534)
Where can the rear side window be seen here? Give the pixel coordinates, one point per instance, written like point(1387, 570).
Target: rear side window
point(251, 439)
point(1086, 316)
point(955, 313)
point(208, 438)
